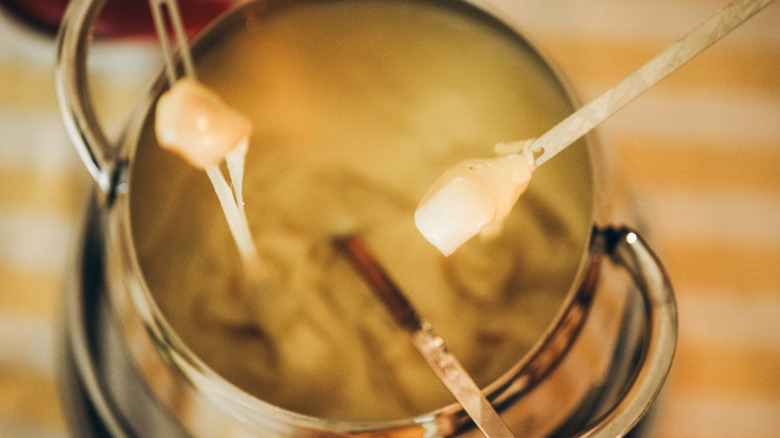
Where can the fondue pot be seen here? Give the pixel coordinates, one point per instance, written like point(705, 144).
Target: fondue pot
point(596, 370)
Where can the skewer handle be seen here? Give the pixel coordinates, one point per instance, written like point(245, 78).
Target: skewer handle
point(167, 12)
point(589, 116)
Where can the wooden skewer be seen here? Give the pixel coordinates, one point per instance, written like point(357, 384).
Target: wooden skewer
point(431, 347)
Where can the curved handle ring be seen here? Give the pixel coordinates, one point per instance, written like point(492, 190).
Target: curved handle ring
point(627, 249)
point(70, 76)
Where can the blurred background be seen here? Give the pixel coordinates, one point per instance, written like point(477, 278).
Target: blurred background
point(702, 147)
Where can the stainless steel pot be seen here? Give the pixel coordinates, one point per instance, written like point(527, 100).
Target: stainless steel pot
point(595, 372)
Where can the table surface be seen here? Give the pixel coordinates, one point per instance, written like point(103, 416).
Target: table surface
point(703, 148)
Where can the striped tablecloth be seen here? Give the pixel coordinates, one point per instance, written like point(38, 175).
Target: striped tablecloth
point(703, 148)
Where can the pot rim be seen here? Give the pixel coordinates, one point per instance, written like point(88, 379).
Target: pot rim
point(112, 175)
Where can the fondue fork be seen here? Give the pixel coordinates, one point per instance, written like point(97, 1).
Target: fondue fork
point(478, 193)
point(231, 200)
point(696, 41)
point(431, 347)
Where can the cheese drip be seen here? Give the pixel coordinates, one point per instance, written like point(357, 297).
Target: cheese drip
point(193, 122)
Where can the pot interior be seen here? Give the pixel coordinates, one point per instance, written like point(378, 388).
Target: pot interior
point(357, 107)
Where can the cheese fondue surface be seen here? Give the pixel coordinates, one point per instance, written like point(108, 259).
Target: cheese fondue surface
point(356, 108)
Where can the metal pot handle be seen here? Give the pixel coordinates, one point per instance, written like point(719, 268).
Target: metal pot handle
point(627, 249)
point(70, 76)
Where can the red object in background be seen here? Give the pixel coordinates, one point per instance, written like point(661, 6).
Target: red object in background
point(118, 19)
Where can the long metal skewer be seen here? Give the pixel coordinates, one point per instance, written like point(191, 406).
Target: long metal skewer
point(167, 13)
point(431, 347)
point(601, 108)
point(170, 9)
